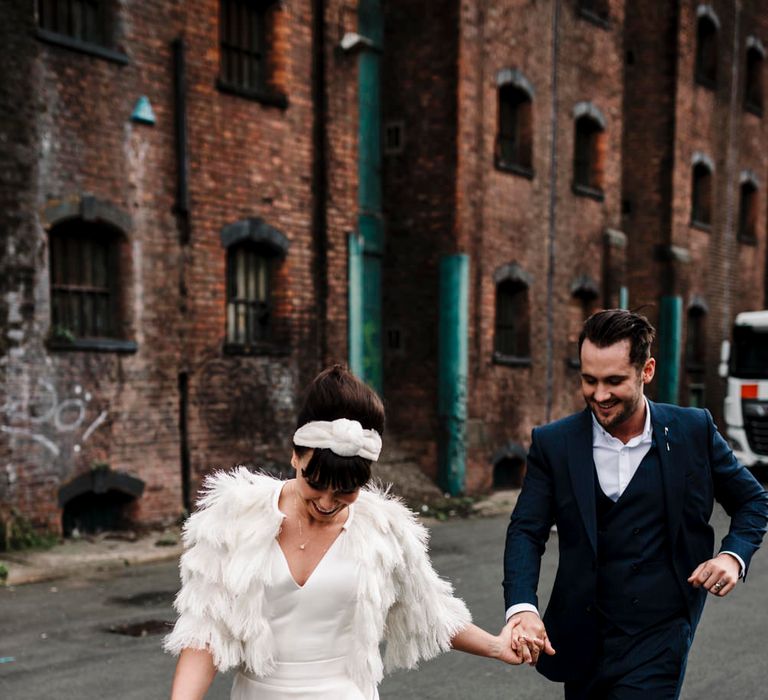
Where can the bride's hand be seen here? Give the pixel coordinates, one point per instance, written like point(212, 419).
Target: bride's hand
point(506, 652)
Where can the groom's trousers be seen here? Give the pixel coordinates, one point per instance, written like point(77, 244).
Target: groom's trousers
point(643, 666)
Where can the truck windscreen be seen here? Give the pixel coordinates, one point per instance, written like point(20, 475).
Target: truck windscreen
point(749, 357)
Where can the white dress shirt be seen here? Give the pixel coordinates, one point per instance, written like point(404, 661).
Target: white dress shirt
point(616, 463)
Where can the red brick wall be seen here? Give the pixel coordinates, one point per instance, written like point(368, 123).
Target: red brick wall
point(505, 218)
point(247, 159)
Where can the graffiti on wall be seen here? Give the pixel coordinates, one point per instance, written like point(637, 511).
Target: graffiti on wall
point(39, 413)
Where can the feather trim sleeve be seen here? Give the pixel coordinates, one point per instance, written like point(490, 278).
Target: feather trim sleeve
point(426, 615)
point(222, 573)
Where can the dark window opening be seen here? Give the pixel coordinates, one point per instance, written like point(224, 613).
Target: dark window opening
point(514, 139)
point(511, 339)
point(753, 87)
point(583, 303)
point(695, 340)
point(249, 312)
point(588, 156)
point(245, 44)
point(508, 473)
point(393, 138)
point(748, 213)
point(695, 355)
point(84, 281)
point(701, 196)
point(83, 20)
point(706, 52)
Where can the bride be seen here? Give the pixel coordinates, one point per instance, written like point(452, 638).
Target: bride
point(295, 583)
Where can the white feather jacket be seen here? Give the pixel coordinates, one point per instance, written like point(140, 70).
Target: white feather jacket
point(226, 565)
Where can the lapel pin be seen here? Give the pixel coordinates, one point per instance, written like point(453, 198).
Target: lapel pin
point(666, 437)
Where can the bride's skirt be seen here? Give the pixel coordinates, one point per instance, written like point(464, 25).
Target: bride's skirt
point(312, 680)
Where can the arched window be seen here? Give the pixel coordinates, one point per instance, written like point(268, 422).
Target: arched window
point(748, 211)
point(514, 140)
point(84, 281)
point(512, 327)
point(584, 295)
point(706, 47)
point(588, 156)
point(254, 249)
point(701, 193)
point(753, 77)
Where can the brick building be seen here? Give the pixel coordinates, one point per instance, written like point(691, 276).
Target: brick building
point(511, 154)
point(436, 192)
point(695, 166)
point(178, 181)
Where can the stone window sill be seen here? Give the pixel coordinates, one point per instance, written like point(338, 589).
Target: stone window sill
point(85, 47)
point(267, 97)
point(701, 225)
point(587, 191)
point(597, 20)
point(514, 169)
point(747, 240)
point(93, 345)
point(500, 358)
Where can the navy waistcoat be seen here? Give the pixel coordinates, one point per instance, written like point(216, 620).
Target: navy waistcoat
point(636, 582)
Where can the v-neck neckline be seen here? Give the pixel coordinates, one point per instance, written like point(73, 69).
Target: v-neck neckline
point(276, 503)
point(317, 566)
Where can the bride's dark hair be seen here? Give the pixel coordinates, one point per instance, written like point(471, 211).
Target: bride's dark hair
point(337, 393)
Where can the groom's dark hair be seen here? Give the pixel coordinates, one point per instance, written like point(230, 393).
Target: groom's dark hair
point(611, 326)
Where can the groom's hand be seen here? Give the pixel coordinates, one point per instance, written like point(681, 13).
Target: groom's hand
point(718, 576)
point(529, 638)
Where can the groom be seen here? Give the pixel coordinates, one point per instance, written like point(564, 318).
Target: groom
point(630, 486)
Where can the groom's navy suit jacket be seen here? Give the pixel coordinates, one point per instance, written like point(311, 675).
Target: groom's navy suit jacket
point(697, 467)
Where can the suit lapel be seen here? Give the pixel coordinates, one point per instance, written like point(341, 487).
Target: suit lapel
point(581, 466)
point(672, 469)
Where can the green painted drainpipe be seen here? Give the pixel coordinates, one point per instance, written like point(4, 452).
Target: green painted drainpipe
point(366, 247)
point(453, 367)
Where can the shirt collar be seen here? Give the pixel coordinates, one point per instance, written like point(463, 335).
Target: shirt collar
point(602, 438)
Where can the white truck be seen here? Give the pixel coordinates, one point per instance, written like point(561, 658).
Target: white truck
point(745, 363)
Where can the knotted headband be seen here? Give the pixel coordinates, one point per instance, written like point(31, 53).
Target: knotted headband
point(343, 437)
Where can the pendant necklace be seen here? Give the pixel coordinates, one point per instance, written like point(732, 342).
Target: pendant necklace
point(303, 546)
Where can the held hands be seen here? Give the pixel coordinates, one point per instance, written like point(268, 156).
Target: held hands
point(529, 637)
point(719, 575)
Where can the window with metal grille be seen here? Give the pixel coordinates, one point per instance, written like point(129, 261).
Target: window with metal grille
point(512, 320)
point(84, 281)
point(84, 20)
point(701, 196)
point(748, 212)
point(248, 295)
point(244, 44)
point(753, 83)
point(706, 52)
point(514, 139)
point(588, 156)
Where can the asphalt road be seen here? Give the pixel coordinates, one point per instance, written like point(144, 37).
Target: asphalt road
point(55, 638)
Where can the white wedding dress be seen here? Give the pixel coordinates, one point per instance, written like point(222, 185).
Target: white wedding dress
point(312, 628)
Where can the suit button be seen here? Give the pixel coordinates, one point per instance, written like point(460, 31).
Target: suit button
point(635, 601)
point(635, 567)
point(636, 531)
point(589, 608)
